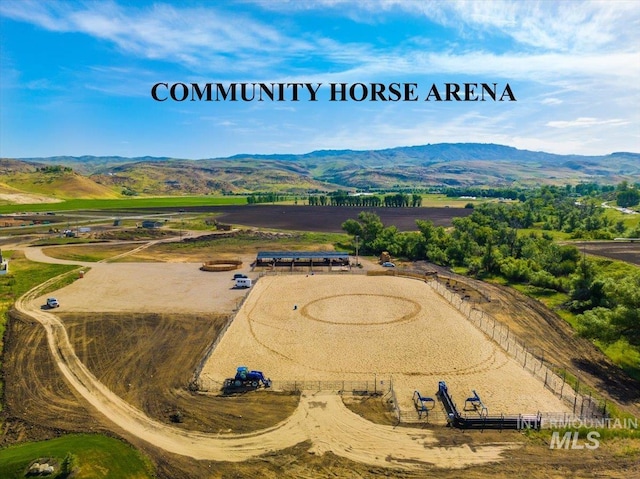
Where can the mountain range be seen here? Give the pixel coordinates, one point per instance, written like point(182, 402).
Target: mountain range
point(432, 165)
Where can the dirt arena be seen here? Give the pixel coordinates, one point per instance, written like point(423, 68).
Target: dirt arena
point(327, 327)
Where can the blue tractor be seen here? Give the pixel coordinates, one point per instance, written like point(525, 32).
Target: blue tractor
point(246, 380)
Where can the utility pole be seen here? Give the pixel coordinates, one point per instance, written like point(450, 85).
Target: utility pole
point(357, 261)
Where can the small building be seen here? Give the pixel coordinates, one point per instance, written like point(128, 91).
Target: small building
point(151, 224)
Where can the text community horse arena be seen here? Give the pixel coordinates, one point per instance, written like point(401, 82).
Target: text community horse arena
point(325, 330)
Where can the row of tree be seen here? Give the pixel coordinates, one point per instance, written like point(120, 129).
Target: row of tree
point(342, 198)
point(256, 198)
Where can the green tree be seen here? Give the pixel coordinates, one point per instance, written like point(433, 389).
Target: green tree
point(490, 258)
point(622, 319)
point(352, 227)
point(368, 227)
point(388, 240)
point(628, 198)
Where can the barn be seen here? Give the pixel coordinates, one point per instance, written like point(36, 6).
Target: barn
point(302, 259)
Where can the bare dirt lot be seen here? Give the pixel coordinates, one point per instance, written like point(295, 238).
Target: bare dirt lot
point(319, 327)
point(151, 287)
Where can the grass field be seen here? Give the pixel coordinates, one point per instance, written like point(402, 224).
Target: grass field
point(88, 254)
point(127, 203)
point(440, 201)
point(97, 457)
point(248, 243)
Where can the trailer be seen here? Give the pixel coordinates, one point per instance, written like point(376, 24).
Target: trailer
point(243, 282)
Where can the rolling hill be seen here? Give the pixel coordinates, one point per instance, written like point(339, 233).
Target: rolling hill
point(46, 181)
point(448, 164)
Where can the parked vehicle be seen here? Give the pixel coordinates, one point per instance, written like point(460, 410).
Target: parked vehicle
point(388, 264)
point(243, 282)
point(52, 303)
point(239, 275)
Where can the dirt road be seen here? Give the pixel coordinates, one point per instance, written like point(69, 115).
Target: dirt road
point(320, 418)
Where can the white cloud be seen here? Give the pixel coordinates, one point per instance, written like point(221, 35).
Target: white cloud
point(210, 40)
point(566, 26)
point(189, 36)
point(586, 122)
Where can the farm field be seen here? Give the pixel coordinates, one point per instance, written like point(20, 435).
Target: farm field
point(619, 250)
point(327, 218)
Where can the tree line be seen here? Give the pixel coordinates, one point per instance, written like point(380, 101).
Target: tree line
point(624, 194)
point(256, 198)
point(342, 198)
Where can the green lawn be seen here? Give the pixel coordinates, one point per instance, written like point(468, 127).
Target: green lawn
point(630, 221)
point(97, 457)
point(63, 241)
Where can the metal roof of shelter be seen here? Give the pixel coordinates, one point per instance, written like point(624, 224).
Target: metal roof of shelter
point(265, 255)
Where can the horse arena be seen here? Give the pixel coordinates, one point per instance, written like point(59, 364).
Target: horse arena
point(335, 329)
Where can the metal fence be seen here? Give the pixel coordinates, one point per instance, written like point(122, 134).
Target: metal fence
point(552, 376)
point(374, 385)
point(196, 380)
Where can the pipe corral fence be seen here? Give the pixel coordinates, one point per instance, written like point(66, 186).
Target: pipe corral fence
point(553, 377)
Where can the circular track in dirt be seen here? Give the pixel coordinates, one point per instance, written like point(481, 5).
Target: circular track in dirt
point(338, 309)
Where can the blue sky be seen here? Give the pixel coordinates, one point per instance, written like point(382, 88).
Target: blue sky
point(75, 77)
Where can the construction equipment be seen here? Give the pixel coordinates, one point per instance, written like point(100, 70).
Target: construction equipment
point(246, 380)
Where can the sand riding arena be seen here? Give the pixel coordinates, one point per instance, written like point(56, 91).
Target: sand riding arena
point(334, 329)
